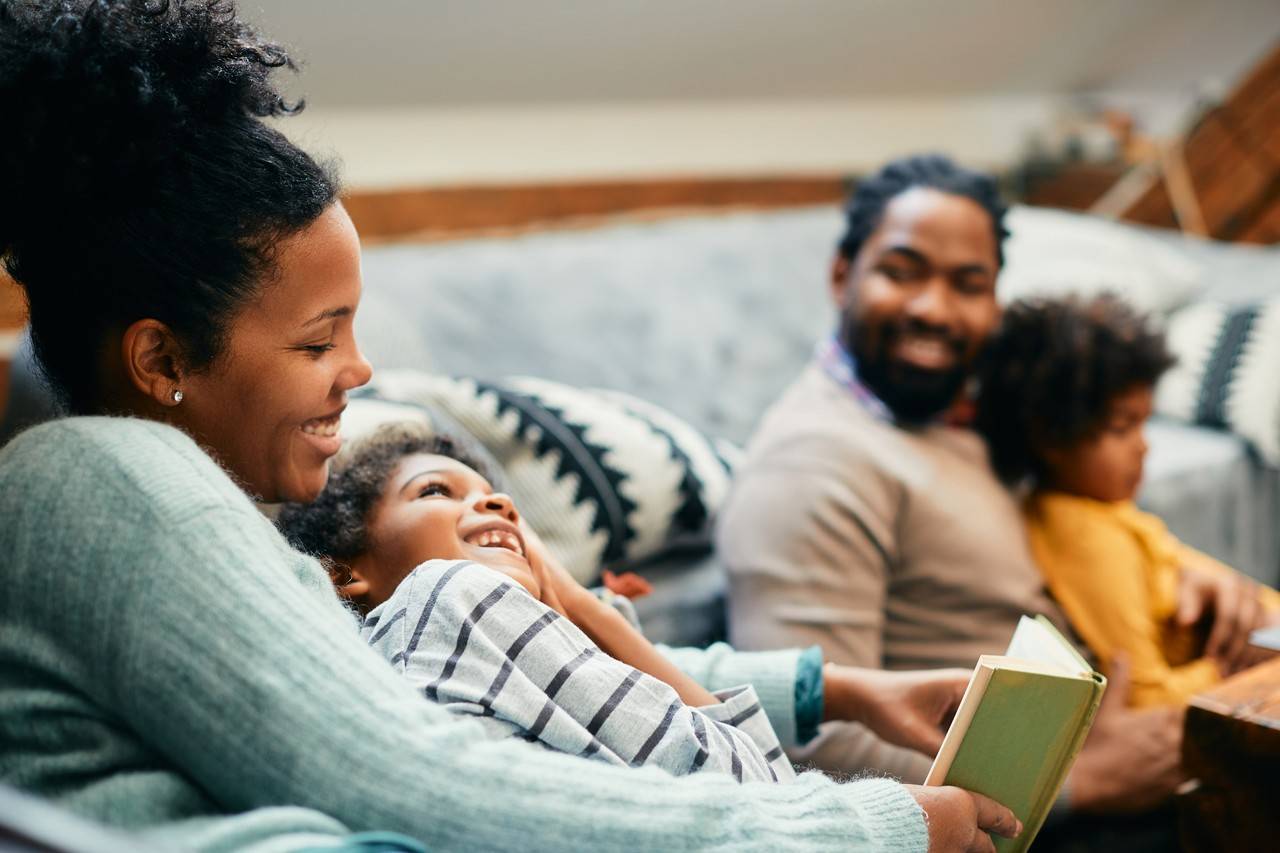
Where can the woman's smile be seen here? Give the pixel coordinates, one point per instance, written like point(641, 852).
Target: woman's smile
point(324, 433)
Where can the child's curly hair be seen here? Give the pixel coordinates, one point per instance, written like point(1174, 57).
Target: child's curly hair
point(1053, 369)
point(334, 526)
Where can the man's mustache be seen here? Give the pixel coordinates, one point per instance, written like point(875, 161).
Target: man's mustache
point(892, 332)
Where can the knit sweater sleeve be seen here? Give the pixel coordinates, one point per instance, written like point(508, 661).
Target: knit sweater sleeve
point(181, 613)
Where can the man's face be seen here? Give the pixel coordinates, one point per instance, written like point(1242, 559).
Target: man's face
point(919, 301)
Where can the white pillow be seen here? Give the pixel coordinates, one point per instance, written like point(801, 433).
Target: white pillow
point(1055, 253)
point(605, 478)
point(1228, 371)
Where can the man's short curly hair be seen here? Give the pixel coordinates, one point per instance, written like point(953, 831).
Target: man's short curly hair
point(1053, 369)
point(865, 206)
point(334, 526)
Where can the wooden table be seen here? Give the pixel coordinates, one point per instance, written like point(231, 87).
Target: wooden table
point(1232, 745)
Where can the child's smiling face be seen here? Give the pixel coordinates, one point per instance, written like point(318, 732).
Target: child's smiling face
point(436, 508)
point(1107, 466)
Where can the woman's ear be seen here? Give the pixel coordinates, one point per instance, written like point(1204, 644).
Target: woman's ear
point(153, 361)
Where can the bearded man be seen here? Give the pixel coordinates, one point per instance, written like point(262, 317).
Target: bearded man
point(866, 518)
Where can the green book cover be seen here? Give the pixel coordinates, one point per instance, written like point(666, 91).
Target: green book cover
point(1020, 725)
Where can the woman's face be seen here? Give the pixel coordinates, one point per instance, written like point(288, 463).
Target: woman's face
point(269, 406)
point(436, 508)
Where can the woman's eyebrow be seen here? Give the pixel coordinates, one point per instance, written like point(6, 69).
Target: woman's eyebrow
point(328, 314)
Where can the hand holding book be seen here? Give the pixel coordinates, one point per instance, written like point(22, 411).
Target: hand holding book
point(1022, 720)
point(960, 820)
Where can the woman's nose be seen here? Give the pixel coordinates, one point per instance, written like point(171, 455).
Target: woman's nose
point(358, 373)
point(498, 504)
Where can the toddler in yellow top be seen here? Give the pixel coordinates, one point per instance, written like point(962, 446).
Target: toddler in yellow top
point(1066, 391)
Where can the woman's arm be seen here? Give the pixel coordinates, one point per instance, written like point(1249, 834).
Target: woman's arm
point(174, 609)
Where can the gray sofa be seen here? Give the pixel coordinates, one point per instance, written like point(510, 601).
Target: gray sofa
point(711, 317)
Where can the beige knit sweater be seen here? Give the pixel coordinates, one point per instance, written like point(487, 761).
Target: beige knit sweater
point(888, 547)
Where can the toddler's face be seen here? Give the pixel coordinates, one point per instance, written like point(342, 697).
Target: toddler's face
point(433, 508)
point(1108, 467)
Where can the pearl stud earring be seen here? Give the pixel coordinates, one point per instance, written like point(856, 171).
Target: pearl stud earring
point(177, 395)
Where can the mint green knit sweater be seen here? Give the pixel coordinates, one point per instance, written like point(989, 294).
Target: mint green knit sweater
point(169, 665)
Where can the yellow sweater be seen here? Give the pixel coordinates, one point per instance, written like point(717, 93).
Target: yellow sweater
point(1114, 569)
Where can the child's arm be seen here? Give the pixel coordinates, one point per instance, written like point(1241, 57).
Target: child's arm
point(1099, 574)
point(1255, 605)
point(606, 627)
point(474, 641)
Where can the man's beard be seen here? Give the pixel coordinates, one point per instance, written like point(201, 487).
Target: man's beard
point(914, 395)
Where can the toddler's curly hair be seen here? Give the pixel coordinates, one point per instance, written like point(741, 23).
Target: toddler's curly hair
point(334, 527)
point(1053, 369)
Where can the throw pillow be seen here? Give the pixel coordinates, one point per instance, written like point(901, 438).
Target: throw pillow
point(1055, 253)
point(605, 478)
point(1228, 371)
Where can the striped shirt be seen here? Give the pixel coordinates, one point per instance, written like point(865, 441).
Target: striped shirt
point(480, 645)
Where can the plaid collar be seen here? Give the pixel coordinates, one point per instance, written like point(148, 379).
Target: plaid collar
point(839, 364)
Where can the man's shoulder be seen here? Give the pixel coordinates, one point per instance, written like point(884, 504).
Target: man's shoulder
point(817, 423)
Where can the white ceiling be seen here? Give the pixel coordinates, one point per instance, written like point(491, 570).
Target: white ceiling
point(474, 52)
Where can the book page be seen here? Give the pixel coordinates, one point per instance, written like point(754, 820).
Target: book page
point(1036, 641)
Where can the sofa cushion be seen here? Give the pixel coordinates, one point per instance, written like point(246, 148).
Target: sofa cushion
point(1053, 253)
point(1227, 375)
point(605, 478)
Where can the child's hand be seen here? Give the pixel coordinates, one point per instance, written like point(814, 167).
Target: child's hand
point(559, 590)
point(629, 584)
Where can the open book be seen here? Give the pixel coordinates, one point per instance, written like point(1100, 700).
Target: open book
point(1020, 724)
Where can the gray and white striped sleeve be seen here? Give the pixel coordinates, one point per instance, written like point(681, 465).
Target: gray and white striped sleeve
point(471, 639)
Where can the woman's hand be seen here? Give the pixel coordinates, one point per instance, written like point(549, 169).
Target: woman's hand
point(911, 709)
point(959, 820)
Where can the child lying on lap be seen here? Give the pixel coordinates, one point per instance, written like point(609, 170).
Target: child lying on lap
point(461, 596)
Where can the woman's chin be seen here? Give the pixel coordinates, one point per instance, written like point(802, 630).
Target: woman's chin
point(302, 485)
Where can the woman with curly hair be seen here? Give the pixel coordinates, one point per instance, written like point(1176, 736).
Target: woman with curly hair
point(1066, 390)
point(168, 664)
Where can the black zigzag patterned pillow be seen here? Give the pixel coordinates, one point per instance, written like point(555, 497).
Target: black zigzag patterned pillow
point(1228, 371)
point(605, 478)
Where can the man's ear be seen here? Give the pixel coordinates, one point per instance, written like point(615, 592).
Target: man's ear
point(153, 361)
point(839, 281)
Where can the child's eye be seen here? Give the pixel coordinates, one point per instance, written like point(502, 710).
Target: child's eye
point(318, 349)
point(431, 489)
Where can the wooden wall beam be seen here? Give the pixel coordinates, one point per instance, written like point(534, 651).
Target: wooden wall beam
point(455, 211)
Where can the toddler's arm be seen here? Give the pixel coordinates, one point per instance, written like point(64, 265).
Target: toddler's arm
point(606, 627)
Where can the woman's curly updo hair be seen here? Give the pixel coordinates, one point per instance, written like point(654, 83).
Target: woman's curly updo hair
point(140, 179)
point(865, 206)
point(1052, 371)
point(334, 527)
